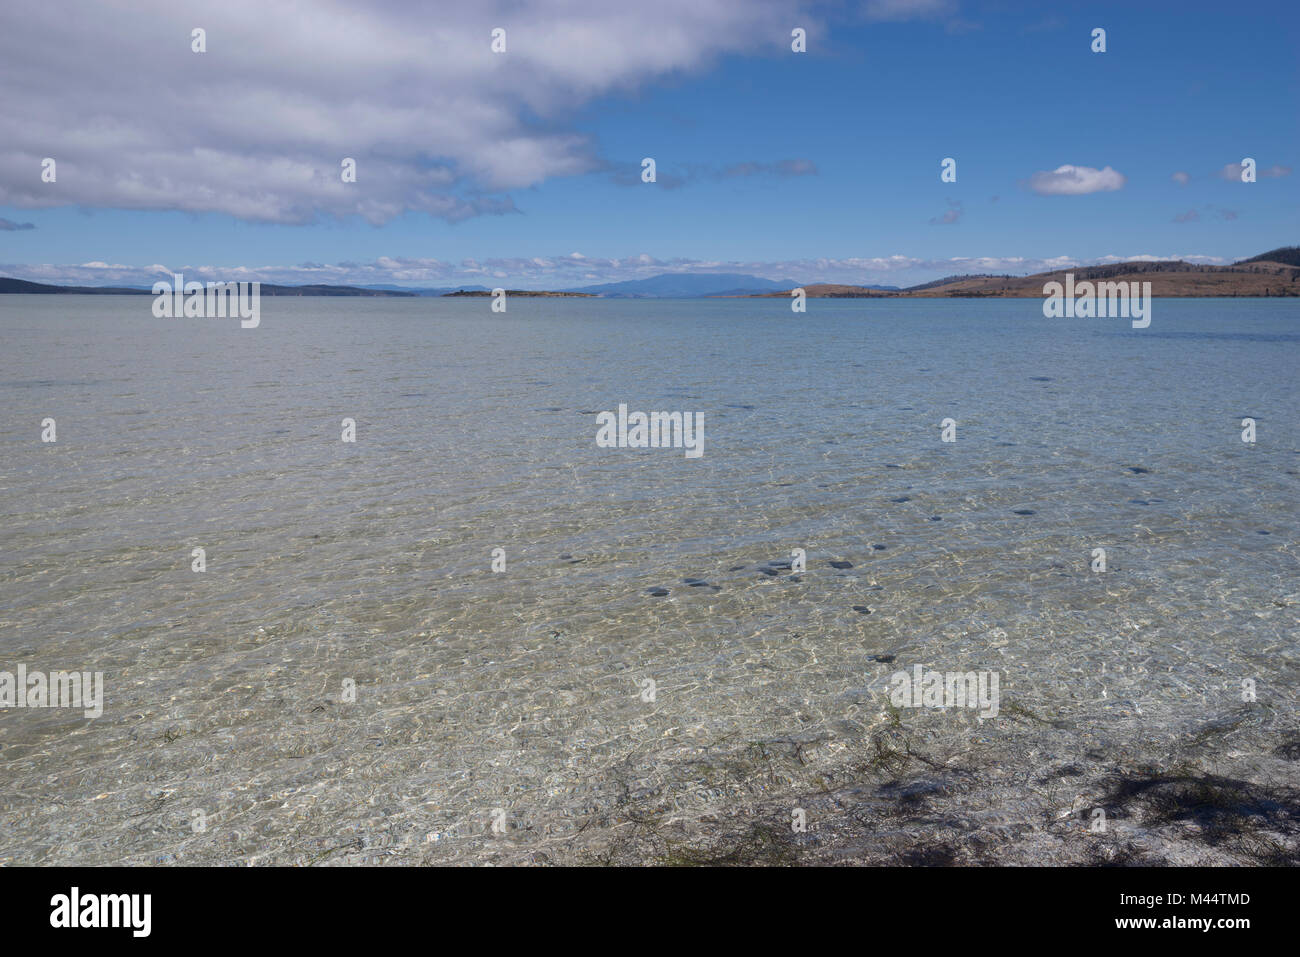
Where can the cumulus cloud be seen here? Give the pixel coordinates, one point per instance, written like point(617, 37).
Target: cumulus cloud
point(1181, 178)
point(1190, 216)
point(257, 126)
point(9, 226)
point(1070, 180)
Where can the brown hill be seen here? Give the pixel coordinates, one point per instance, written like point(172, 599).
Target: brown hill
point(1168, 279)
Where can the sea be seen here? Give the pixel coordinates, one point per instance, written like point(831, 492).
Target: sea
point(362, 587)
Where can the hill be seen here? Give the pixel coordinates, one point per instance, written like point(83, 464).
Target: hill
point(1286, 255)
point(39, 288)
point(1269, 274)
point(1168, 279)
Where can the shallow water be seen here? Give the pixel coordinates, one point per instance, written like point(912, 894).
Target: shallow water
point(523, 690)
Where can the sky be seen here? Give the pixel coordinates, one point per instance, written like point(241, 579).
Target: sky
point(524, 168)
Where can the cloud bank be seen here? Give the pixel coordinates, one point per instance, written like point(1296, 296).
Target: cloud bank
point(257, 126)
point(571, 270)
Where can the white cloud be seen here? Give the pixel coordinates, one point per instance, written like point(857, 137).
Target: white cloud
point(1181, 178)
point(257, 126)
point(1070, 180)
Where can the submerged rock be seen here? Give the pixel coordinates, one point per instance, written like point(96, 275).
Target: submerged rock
point(700, 583)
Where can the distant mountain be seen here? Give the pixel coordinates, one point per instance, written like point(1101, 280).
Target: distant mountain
point(685, 286)
point(37, 288)
point(1274, 273)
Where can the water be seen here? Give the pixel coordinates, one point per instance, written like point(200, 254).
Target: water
point(227, 735)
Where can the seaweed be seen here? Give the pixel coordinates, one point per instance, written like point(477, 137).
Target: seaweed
point(1239, 816)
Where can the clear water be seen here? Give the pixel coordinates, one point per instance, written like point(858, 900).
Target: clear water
point(522, 690)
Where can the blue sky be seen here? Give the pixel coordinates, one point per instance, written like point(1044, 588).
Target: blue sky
point(523, 168)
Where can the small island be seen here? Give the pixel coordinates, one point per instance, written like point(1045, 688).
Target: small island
point(518, 292)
